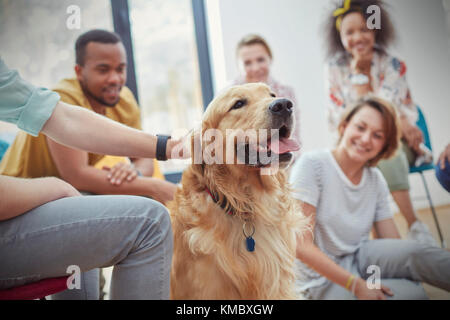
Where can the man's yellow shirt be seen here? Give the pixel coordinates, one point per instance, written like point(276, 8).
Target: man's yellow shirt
point(29, 157)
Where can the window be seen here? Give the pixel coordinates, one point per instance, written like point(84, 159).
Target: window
point(38, 42)
point(40, 45)
point(167, 71)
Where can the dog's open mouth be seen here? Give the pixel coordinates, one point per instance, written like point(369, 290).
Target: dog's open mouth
point(277, 147)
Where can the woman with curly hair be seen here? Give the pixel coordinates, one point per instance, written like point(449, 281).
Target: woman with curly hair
point(359, 66)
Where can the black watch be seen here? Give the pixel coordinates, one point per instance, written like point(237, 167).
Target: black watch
point(161, 147)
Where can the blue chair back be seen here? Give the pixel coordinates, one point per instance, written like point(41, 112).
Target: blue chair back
point(3, 147)
point(422, 124)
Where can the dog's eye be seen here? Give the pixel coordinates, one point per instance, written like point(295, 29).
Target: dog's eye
point(273, 95)
point(239, 104)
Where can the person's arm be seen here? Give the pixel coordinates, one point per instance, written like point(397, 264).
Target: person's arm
point(83, 129)
point(18, 195)
point(122, 171)
point(386, 229)
point(335, 100)
point(22, 103)
point(144, 166)
point(35, 109)
point(74, 168)
point(316, 259)
point(384, 226)
point(394, 88)
point(444, 157)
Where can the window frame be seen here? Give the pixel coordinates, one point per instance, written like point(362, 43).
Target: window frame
point(122, 26)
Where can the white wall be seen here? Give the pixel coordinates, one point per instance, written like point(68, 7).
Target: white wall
point(447, 13)
point(292, 28)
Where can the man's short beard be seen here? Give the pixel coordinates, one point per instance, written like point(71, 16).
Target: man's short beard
point(88, 93)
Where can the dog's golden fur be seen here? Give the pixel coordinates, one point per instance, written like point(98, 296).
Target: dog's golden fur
point(210, 259)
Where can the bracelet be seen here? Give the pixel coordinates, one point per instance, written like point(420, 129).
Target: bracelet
point(349, 281)
point(161, 146)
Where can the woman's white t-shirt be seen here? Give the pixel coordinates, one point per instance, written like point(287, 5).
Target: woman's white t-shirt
point(345, 212)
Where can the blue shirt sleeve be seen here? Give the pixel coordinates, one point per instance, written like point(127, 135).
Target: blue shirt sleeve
point(22, 103)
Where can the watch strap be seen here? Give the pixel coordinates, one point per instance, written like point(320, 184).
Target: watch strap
point(161, 147)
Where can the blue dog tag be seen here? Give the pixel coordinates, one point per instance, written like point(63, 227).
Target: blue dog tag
point(250, 244)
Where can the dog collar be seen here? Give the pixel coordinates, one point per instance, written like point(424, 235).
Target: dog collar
point(223, 204)
point(249, 241)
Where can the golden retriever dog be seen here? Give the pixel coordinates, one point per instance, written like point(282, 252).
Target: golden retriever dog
point(235, 228)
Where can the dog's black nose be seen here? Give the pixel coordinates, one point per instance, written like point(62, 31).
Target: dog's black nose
point(281, 107)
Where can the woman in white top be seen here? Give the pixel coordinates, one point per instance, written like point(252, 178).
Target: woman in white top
point(345, 195)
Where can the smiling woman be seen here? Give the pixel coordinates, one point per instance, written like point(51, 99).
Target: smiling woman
point(360, 66)
point(254, 58)
point(371, 129)
point(345, 195)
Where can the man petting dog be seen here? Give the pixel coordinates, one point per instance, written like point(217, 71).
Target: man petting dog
point(99, 86)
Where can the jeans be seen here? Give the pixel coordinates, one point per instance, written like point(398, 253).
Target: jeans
point(131, 233)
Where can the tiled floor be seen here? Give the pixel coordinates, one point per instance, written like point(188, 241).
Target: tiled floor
point(425, 215)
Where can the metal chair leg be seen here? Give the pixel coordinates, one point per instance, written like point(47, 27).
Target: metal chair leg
point(433, 211)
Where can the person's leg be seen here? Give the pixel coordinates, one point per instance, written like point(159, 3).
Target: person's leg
point(404, 289)
point(396, 171)
point(89, 288)
point(405, 259)
point(404, 203)
point(132, 233)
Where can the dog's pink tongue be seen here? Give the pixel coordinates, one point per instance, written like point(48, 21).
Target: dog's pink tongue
point(284, 145)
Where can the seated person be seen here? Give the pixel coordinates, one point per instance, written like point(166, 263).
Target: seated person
point(443, 168)
point(344, 194)
point(359, 65)
point(99, 86)
point(254, 58)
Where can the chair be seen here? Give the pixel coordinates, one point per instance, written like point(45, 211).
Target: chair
point(3, 147)
point(421, 123)
point(35, 290)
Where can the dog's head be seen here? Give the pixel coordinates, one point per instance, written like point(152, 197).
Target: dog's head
point(247, 125)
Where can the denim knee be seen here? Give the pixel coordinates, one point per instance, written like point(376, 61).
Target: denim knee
point(418, 255)
point(158, 215)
